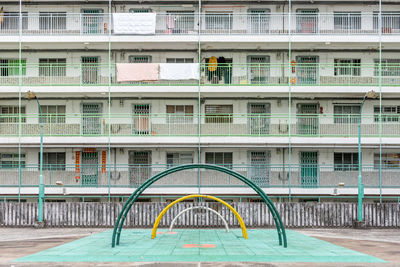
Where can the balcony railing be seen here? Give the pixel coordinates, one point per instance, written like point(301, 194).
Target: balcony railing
point(265, 175)
point(303, 125)
point(338, 23)
point(224, 74)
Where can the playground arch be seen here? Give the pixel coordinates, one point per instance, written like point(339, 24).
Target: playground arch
point(237, 215)
point(135, 195)
point(196, 208)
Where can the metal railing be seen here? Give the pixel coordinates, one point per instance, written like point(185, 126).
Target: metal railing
point(338, 23)
point(223, 74)
point(303, 125)
point(264, 175)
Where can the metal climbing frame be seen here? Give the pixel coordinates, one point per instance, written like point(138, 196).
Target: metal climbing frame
point(131, 200)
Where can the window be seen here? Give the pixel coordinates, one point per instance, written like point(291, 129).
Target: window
point(11, 21)
point(52, 20)
point(347, 67)
point(347, 20)
point(10, 67)
point(139, 59)
point(389, 160)
point(10, 114)
point(53, 114)
point(390, 20)
point(52, 67)
point(219, 113)
point(346, 113)
point(390, 67)
point(346, 161)
point(389, 113)
point(180, 21)
point(219, 158)
point(180, 113)
point(177, 158)
point(53, 160)
point(218, 21)
point(10, 160)
point(179, 60)
point(140, 10)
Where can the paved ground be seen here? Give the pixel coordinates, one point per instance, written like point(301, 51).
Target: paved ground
point(16, 243)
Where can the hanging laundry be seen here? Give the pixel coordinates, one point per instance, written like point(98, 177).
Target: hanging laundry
point(134, 23)
point(137, 72)
point(212, 64)
point(179, 71)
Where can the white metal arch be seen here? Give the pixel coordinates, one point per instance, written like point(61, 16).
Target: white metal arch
point(199, 207)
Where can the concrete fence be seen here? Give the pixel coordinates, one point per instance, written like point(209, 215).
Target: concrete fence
point(254, 214)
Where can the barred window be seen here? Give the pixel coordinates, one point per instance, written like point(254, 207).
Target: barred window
point(390, 67)
point(220, 158)
point(347, 67)
point(389, 113)
point(53, 113)
point(218, 113)
point(52, 67)
point(346, 113)
point(53, 160)
point(345, 161)
point(10, 114)
point(10, 160)
point(389, 160)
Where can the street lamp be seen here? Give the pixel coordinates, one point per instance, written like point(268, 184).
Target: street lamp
point(372, 95)
point(31, 95)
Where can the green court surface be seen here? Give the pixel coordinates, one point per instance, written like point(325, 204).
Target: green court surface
point(192, 245)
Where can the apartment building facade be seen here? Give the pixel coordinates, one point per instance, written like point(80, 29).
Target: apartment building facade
point(275, 90)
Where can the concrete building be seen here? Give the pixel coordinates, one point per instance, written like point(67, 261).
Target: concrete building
point(272, 89)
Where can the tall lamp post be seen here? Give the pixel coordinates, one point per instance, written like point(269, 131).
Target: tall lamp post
point(31, 95)
point(370, 95)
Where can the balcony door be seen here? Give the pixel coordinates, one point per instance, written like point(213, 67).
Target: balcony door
point(258, 69)
point(307, 21)
point(307, 119)
point(307, 69)
point(91, 118)
point(258, 21)
point(259, 171)
point(309, 169)
point(90, 70)
point(89, 168)
point(139, 167)
point(259, 118)
point(92, 21)
point(141, 119)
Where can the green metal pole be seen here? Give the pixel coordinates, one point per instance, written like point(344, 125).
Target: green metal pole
point(41, 185)
point(360, 193)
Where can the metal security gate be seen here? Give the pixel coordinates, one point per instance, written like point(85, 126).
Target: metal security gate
point(309, 169)
point(307, 21)
point(259, 118)
point(89, 168)
point(141, 119)
point(307, 69)
point(92, 21)
point(91, 119)
point(307, 118)
point(258, 21)
point(259, 171)
point(258, 70)
point(139, 167)
point(90, 70)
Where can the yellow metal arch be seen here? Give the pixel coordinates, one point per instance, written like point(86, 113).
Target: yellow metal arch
point(157, 222)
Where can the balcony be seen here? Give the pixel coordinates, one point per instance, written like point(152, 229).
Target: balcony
point(301, 176)
point(338, 23)
point(226, 74)
point(175, 125)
